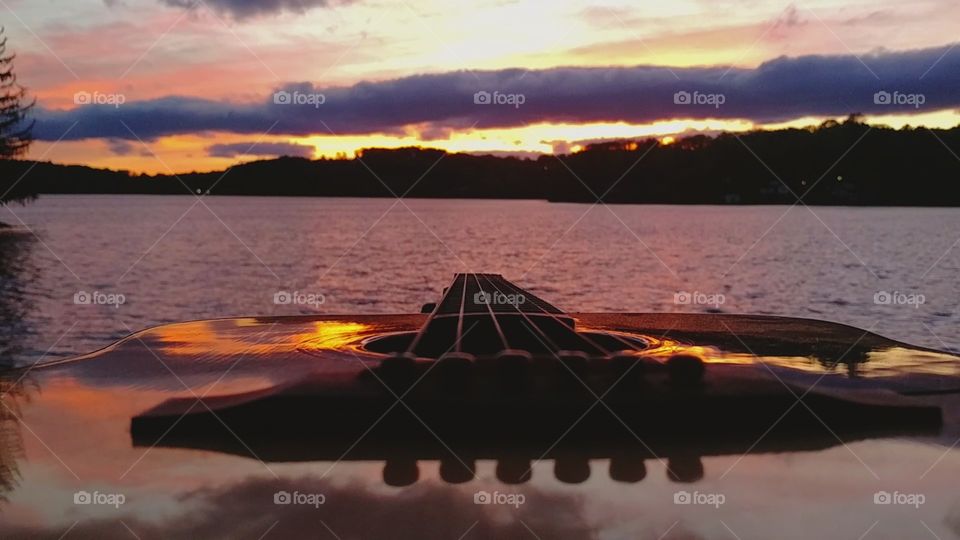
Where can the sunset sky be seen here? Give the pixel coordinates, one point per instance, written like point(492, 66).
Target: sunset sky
point(179, 85)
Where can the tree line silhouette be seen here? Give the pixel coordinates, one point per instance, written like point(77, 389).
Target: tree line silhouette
point(835, 163)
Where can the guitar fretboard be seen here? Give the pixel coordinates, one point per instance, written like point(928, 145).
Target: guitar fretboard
point(478, 293)
point(484, 314)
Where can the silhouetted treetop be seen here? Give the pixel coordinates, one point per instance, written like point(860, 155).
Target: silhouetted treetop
point(838, 163)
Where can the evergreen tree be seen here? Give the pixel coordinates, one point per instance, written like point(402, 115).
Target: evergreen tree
point(15, 131)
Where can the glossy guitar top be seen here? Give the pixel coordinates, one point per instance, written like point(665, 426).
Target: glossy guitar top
point(176, 412)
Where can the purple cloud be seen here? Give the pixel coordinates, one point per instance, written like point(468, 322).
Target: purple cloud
point(778, 90)
point(243, 9)
point(264, 149)
point(120, 147)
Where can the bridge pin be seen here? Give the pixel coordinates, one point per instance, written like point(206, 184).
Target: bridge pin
point(455, 471)
point(685, 369)
point(571, 470)
point(513, 368)
point(627, 470)
point(573, 366)
point(455, 367)
point(400, 472)
point(625, 366)
point(514, 470)
point(397, 369)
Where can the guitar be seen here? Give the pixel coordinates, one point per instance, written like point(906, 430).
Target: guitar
point(491, 374)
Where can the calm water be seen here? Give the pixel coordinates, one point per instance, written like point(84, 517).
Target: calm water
point(174, 258)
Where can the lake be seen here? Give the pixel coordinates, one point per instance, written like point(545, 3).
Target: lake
point(83, 271)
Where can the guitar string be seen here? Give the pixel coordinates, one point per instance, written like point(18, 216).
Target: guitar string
point(462, 281)
point(493, 317)
point(537, 303)
point(547, 340)
point(433, 315)
point(463, 301)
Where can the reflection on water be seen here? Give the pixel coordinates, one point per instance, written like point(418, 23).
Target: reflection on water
point(337, 335)
point(11, 442)
point(17, 272)
point(75, 437)
point(191, 339)
point(354, 510)
point(852, 352)
point(890, 362)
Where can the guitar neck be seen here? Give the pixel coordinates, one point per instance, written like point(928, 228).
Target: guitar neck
point(484, 314)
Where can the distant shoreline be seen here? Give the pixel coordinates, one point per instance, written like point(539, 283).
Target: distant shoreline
point(834, 164)
point(485, 199)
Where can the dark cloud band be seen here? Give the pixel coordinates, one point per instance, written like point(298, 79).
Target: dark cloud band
point(242, 9)
point(778, 90)
point(262, 149)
